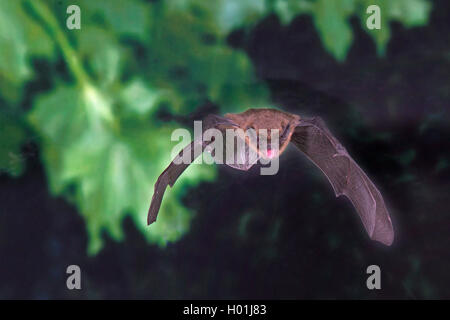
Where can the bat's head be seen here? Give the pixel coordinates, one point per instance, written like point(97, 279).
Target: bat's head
point(273, 129)
point(273, 140)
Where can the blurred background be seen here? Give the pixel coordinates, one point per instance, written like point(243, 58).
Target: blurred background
point(86, 117)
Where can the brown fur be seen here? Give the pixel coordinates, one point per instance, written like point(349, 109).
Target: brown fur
point(268, 119)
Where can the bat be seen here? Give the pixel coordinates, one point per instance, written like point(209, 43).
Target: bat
point(317, 143)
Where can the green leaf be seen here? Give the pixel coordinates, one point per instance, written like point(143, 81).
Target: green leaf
point(190, 57)
point(411, 13)
point(105, 62)
point(127, 18)
point(331, 19)
point(12, 136)
point(289, 9)
point(138, 98)
point(111, 172)
point(233, 14)
point(18, 44)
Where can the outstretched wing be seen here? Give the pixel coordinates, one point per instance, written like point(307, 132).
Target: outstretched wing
point(313, 138)
point(178, 165)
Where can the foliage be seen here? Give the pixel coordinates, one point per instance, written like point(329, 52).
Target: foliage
point(101, 140)
point(331, 18)
point(12, 137)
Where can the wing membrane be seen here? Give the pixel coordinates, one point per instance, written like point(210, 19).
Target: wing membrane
point(313, 138)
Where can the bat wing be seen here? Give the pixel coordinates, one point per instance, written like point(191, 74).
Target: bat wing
point(313, 138)
point(170, 175)
point(237, 153)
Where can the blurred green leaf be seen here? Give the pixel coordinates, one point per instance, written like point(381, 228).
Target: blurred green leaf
point(12, 136)
point(411, 13)
point(331, 19)
point(20, 38)
point(105, 61)
point(138, 98)
point(189, 57)
point(112, 171)
point(124, 18)
point(289, 9)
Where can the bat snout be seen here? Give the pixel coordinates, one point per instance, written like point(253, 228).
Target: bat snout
point(269, 153)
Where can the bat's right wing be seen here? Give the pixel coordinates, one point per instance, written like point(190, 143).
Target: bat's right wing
point(313, 138)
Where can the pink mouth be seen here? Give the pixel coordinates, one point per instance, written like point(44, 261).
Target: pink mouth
point(270, 153)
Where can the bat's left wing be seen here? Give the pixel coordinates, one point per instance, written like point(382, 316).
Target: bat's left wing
point(313, 138)
point(177, 166)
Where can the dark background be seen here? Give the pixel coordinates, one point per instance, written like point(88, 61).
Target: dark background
point(283, 236)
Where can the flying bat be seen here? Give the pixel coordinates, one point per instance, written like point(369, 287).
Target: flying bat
point(313, 138)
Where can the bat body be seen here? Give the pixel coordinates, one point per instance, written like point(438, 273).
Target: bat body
point(313, 138)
